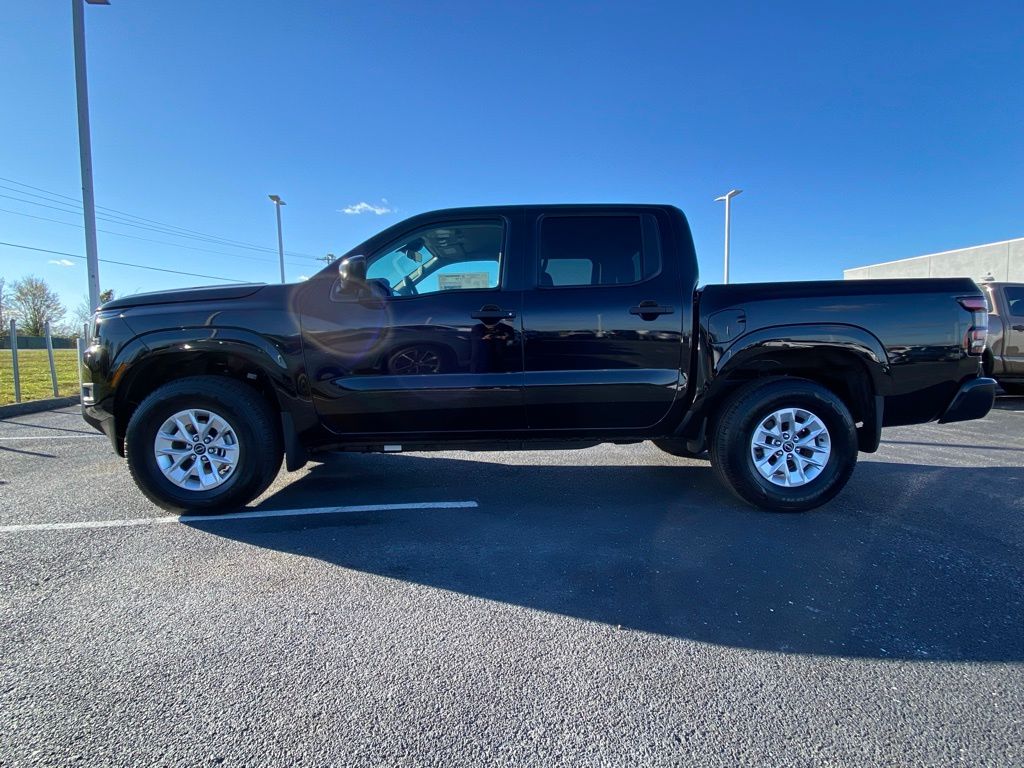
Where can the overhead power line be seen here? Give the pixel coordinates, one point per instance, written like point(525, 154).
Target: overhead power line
point(66, 208)
point(118, 215)
point(149, 240)
point(124, 263)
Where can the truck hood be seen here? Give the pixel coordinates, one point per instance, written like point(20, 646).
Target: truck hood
point(204, 293)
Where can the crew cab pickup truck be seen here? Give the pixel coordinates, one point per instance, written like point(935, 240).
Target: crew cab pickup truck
point(1004, 358)
point(529, 327)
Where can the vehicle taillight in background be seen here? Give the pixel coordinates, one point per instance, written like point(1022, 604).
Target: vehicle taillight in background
point(974, 339)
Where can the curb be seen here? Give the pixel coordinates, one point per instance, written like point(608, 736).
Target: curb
point(35, 406)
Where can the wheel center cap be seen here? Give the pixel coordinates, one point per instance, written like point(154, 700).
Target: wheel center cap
point(200, 449)
point(788, 446)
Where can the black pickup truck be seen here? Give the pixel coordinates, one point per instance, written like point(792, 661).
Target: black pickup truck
point(529, 327)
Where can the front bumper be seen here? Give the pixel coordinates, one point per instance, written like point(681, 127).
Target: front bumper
point(974, 400)
point(102, 420)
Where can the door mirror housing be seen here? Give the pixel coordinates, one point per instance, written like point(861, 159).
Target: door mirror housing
point(352, 271)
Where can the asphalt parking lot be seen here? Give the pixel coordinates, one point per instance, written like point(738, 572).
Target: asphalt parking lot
point(611, 606)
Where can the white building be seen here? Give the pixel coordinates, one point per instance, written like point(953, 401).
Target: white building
point(1002, 262)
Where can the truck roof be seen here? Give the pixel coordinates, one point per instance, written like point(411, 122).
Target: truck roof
point(478, 209)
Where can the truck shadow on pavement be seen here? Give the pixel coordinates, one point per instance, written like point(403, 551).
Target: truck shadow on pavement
point(911, 562)
point(1009, 403)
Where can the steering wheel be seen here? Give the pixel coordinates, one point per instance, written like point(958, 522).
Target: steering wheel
point(379, 286)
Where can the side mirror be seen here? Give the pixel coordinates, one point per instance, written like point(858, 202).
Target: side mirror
point(352, 271)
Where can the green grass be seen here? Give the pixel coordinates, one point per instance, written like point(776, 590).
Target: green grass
point(34, 373)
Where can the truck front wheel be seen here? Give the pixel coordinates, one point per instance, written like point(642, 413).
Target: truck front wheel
point(203, 443)
point(784, 444)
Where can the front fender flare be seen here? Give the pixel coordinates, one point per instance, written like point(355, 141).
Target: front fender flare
point(254, 348)
point(267, 356)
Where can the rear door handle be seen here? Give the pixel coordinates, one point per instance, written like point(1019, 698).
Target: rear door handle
point(1018, 327)
point(648, 310)
point(492, 312)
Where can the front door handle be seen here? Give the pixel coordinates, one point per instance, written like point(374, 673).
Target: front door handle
point(649, 310)
point(493, 312)
point(1018, 327)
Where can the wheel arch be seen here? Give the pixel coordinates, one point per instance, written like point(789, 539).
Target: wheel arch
point(847, 360)
point(159, 358)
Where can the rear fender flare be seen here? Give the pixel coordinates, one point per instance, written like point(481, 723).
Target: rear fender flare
point(758, 348)
point(762, 344)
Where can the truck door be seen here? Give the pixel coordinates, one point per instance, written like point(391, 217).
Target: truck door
point(602, 319)
point(1013, 330)
point(429, 344)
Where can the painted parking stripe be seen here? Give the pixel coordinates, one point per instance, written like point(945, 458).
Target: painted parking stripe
point(231, 516)
point(52, 437)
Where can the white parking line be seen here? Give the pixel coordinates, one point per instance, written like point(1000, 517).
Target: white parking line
point(254, 515)
point(52, 437)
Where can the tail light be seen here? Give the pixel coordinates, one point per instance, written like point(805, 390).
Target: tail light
point(974, 339)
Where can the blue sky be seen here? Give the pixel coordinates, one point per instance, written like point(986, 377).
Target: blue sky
point(859, 133)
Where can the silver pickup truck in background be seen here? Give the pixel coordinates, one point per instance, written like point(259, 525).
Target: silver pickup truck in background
point(1004, 358)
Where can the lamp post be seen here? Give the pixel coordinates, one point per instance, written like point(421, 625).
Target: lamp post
point(727, 198)
point(278, 202)
point(85, 149)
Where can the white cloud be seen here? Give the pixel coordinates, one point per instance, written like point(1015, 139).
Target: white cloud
point(363, 207)
point(62, 262)
point(303, 277)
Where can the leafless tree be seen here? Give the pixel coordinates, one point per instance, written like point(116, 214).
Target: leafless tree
point(32, 303)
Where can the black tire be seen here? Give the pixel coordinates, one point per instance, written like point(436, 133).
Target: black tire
point(259, 443)
point(741, 415)
point(1015, 388)
point(677, 447)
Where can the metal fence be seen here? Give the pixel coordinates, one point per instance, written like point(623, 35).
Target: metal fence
point(30, 375)
point(39, 342)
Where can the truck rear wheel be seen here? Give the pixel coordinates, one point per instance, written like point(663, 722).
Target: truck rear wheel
point(203, 443)
point(784, 444)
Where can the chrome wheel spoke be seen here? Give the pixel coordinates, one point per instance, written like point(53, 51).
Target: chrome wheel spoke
point(811, 436)
point(816, 448)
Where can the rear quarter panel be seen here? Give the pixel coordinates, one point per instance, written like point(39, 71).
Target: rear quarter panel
point(909, 332)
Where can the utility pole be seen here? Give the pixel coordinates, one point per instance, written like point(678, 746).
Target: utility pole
point(727, 198)
point(278, 202)
point(85, 149)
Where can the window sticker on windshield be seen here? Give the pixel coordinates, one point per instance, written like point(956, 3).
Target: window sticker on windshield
point(462, 281)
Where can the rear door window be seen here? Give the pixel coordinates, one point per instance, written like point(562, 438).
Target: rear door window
point(1015, 301)
point(597, 250)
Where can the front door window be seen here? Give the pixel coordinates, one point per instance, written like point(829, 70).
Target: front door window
point(453, 257)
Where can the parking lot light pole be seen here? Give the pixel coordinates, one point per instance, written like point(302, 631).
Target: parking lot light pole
point(85, 149)
point(727, 198)
point(278, 202)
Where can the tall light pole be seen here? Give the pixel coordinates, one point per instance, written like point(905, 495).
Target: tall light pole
point(278, 202)
point(85, 149)
point(727, 198)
